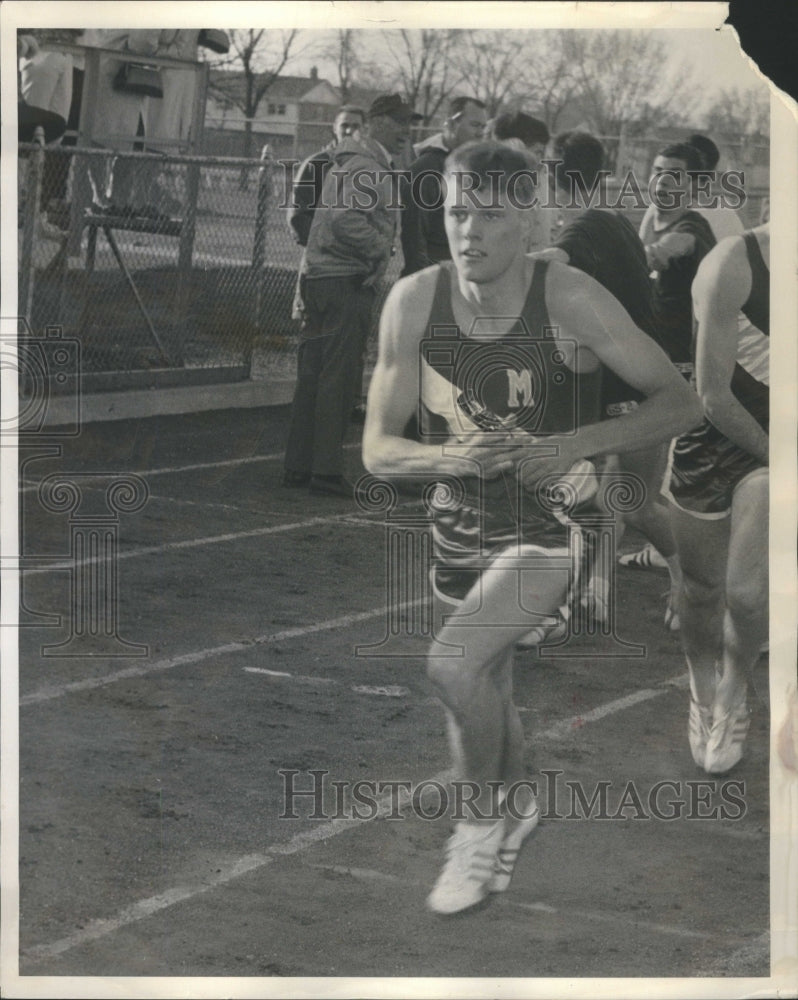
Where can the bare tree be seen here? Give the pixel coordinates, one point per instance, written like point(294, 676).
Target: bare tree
point(746, 114)
point(489, 62)
point(344, 52)
point(424, 65)
point(621, 77)
point(259, 56)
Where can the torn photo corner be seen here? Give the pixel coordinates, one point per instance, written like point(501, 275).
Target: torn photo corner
point(236, 589)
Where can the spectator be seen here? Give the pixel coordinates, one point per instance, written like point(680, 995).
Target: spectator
point(349, 246)
point(722, 221)
point(45, 90)
point(604, 244)
point(423, 234)
point(529, 135)
point(311, 174)
point(676, 243)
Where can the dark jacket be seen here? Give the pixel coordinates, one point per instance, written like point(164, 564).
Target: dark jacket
point(423, 232)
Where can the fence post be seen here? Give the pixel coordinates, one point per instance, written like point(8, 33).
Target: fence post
point(185, 254)
point(259, 242)
point(32, 197)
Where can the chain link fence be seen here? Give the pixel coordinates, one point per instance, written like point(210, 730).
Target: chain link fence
point(188, 275)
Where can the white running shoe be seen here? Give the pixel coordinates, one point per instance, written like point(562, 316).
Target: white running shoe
point(726, 738)
point(698, 730)
point(645, 558)
point(516, 830)
point(470, 859)
point(545, 633)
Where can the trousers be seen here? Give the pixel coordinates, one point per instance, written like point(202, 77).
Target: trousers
point(338, 315)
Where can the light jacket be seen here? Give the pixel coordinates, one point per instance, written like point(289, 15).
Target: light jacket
point(354, 225)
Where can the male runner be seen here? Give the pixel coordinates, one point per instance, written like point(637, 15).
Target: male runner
point(604, 244)
point(719, 492)
point(495, 353)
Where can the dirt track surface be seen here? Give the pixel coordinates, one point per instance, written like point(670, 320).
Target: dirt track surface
point(151, 842)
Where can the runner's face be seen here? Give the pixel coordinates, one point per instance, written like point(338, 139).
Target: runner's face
point(669, 184)
point(484, 242)
point(347, 123)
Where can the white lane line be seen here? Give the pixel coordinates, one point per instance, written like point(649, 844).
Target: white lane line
point(146, 907)
point(198, 656)
point(372, 875)
point(386, 691)
point(195, 467)
point(196, 543)
point(568, 726)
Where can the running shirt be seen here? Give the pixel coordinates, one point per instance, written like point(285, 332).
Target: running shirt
point(706, 465)
point(605, 245)
point(672, 298)
point(477, 383)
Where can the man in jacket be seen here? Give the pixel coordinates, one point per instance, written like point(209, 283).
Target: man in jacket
point(306, 193)
point(349, 246)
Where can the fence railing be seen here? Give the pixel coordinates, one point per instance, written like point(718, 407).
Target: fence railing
point(189, 278)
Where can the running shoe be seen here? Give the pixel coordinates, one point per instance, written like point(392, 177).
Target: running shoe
point(516, 830)
point(645, 558)
point(726, 738)
point(698, 730)
point(545, 633)
point(470, 859)
point(672, 623)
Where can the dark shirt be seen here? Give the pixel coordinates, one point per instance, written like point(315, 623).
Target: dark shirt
point(606, 246)
point(673, 301)
point(424, 239)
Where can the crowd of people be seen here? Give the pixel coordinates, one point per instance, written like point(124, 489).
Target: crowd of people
point(578, 347)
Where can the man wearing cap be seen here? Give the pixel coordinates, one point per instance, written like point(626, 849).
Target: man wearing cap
point(423, 234)
point(349, 245)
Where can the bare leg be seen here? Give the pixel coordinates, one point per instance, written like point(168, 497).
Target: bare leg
point(745, 619)
point(702, 545)
point(653, 519)
point(476, 689)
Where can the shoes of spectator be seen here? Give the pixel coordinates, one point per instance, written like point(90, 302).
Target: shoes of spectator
point(645, 558)
point(335, 486)
point(516, 829)
point(295, 479)
point(470, 862)
point(698, 729)
point(726, 738)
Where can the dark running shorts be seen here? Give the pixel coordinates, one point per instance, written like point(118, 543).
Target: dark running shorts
point(706, 468)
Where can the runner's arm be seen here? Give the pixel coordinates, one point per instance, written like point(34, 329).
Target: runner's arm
point(720, 288)
point(394, 399)
point(588, 314)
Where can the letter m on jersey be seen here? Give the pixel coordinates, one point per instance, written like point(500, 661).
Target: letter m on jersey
point(519, 389)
